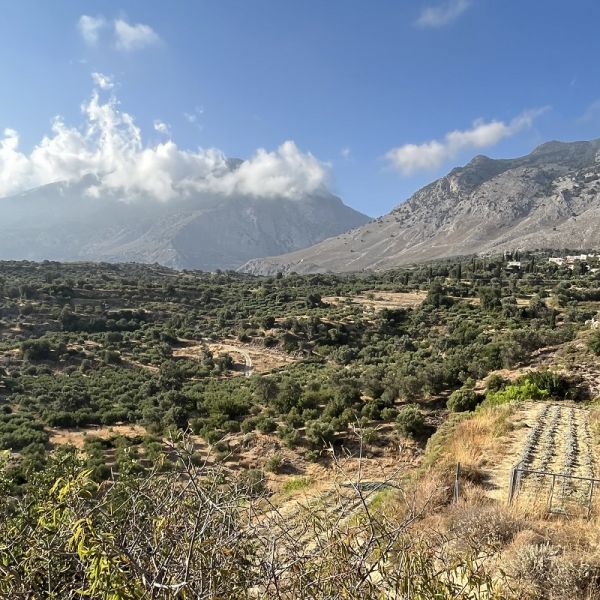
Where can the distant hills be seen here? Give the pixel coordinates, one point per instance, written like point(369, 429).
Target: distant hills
point(547, 199)
point(64, 221)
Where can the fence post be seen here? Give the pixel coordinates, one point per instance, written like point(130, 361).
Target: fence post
point(511, 488)
point(590, 498)
point(551, 493)
point(456, 483)
point(519, 476)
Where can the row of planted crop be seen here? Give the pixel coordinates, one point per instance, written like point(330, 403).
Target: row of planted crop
point(528, 453)
point(549, 448)
point(571, 449)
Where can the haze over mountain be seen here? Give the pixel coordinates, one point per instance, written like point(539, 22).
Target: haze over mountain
point(63, 221)
point(547, 199)
point(99, 192)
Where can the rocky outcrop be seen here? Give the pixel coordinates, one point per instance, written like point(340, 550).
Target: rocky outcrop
point(547, 199)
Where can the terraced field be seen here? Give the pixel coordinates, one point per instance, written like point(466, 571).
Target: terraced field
point(558, 442)
point(311, 517)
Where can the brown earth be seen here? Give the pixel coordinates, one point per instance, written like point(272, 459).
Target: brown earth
point(76, 437)
point(248, 358)
point(378, 300)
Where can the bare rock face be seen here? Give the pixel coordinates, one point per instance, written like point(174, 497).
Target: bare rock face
point(547, 199)
point(63, 222)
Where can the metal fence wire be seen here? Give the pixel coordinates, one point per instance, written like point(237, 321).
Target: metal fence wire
point(558, 493)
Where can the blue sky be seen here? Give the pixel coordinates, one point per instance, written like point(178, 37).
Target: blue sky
point(371, 89)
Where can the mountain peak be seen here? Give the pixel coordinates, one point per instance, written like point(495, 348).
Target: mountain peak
point(547, 199)
point(551, 146)
point(64, 221)
point(478, 160)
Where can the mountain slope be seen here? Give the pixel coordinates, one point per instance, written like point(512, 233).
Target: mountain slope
point(62, 221)
point(547, 199)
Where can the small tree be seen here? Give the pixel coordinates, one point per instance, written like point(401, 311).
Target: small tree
point(594, 343)
point(463, 400)
point(410, 422)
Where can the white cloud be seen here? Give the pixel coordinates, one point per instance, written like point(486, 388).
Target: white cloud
point(286, 172)
point(89, 28)
point(104, 82)
point(591, 113)
point(193, 117)
point(109, 145)
point(443, 14)
point(162, 127)
point(416, 157)
point(134, 37)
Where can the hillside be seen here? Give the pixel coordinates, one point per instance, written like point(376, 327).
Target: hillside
point(299, 435)
point(547, 199)
point(64, 221)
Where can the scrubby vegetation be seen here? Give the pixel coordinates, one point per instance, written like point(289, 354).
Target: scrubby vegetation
point(101, 364)
point(99, 345)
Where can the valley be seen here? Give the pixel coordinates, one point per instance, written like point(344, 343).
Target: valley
point(299, 300)
point(336, 406)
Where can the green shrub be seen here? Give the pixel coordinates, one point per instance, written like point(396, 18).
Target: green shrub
point(594, 343)
point(389, 413)
point(496, 383)
point(289, 436)
point(516, 392)
point(36, 349)
point(463, 400)
point(253, 482)
point(312, 455)
point(266, 425)
point(296, 485)
point(274, 463)
point(557, 385)
point(319, 433)
point(231, 426)
point(249, 424)
point(410, 422)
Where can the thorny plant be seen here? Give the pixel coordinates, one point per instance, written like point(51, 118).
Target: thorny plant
point(196, 531)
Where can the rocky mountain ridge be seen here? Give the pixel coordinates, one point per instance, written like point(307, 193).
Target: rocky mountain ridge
point(547, 199)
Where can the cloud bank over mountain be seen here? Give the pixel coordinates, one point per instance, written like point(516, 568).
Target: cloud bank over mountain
point(411, 158)
point(110, 146)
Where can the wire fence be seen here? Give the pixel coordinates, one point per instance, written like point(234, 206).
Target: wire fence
point(558, 493)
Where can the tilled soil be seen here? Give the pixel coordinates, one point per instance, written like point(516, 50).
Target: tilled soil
point(556, 440)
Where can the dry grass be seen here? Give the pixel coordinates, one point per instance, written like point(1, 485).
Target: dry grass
point(472, 439)
point(246, 357)
point(376, 301)
point(76, 437)
point(537, 569)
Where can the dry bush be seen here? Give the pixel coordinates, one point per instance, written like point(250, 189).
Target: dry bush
point(422, 498)
point(545, 570)
point(595, 421)
point(485, 528)
point(193, 532)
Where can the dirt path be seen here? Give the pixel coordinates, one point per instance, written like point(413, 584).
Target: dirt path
point(248, 358)
point(248, 370)
point(523, 420)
